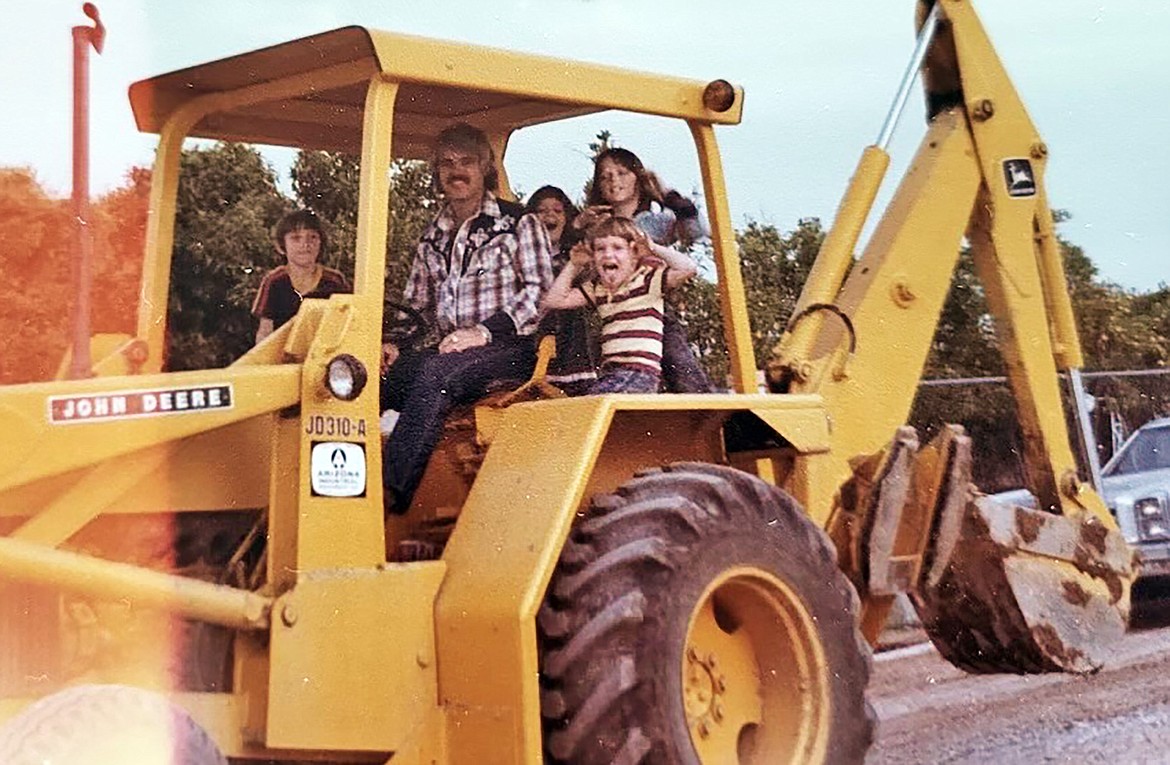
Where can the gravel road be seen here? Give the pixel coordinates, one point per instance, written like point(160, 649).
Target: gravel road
point(931, 712)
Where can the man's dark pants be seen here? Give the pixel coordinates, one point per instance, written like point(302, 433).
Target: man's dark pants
point(423, 386)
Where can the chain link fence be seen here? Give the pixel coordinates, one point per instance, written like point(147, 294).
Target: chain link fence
point(1120, 402)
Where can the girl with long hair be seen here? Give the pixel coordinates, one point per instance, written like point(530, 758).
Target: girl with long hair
point(623, 187)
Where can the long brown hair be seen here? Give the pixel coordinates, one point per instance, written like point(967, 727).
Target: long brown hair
point(553, 192)
point(629, 160)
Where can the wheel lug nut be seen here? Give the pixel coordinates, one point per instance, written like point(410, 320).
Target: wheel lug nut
point(704, 730)
point(717, 712)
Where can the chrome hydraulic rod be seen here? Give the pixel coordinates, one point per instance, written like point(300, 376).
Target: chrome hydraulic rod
point(925, 36)
point(836, 255)
point(108, 580)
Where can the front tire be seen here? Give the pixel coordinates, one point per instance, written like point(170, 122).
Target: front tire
point(698, 616)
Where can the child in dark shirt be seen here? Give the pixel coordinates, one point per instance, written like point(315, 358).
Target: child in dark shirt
point(300, 238)
point(573, 368)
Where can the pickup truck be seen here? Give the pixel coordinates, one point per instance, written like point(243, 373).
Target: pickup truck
point(1136, 487)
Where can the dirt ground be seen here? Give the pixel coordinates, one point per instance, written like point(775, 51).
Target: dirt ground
point(930, 712)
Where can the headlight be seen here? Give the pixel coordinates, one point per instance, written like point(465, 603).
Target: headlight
point(345, 377)
point(1155, 530)
point(1150, 518)
point(1147, 508)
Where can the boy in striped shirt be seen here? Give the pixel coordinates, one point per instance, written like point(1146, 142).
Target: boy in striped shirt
point(630, 275)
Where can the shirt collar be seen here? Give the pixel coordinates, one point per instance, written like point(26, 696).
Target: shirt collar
point(487, 206)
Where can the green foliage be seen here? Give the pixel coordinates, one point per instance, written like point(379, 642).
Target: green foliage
point(36, 270)
point(329, 183)
point(227, 205)
point(603, 142)
point(412, 206)
point(697, 304)
point(228, 202)
point(1118, 331)
point(39, 247)
point(775, 266)
point(964, 341)
point(120, 222)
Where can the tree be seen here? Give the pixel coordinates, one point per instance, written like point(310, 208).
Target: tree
point(36, 270)
point(120, 233)
point(328, 183)
point(697, 304)
point(775, 267)
point(964, 345)
point(39, 248)
point(413, 203)
point(227, 204)
point(1118, 330)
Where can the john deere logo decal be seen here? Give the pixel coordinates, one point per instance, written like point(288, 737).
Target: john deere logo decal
point(1021, 181)
point(123, 405)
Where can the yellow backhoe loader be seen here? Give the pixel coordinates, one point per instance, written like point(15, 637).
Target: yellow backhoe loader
point(622, 578)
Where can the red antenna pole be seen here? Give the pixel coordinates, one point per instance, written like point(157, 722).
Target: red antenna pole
point(83, 37)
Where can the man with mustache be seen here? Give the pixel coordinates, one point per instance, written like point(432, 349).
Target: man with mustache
point(477, 279)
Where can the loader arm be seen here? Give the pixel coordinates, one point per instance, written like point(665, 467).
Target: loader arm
point(862, 330)
point(957, 185)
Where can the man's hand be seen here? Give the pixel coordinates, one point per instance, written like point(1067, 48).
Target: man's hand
point(389, 356)
point(463, 339)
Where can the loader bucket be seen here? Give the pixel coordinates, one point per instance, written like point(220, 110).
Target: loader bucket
point(1027, 591)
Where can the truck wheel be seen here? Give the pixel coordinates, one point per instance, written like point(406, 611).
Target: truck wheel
point(698, 616)
point(106, 725)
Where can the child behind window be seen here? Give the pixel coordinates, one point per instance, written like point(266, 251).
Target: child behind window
point(300, 238)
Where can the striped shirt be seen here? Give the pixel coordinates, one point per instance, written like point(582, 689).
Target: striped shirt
point(631, 320)
point(492, 270)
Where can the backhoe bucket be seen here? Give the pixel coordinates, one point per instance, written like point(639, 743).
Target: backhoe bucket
point(1027, 591)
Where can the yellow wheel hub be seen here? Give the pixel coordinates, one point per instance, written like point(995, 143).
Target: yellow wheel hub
point(755, 685)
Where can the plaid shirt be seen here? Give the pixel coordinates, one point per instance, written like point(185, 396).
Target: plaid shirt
point(491, 271)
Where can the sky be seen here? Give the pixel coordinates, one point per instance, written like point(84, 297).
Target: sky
point(819, 79)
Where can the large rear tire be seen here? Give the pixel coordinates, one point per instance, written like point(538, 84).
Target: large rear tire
point(106, 725)
point(698, 616)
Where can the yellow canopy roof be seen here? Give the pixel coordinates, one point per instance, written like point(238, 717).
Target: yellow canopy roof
point(310, 92)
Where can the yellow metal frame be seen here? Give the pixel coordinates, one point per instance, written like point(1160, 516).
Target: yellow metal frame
point(546, 458)
point(893, 295)
point(440, 658)
point(351, 89)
